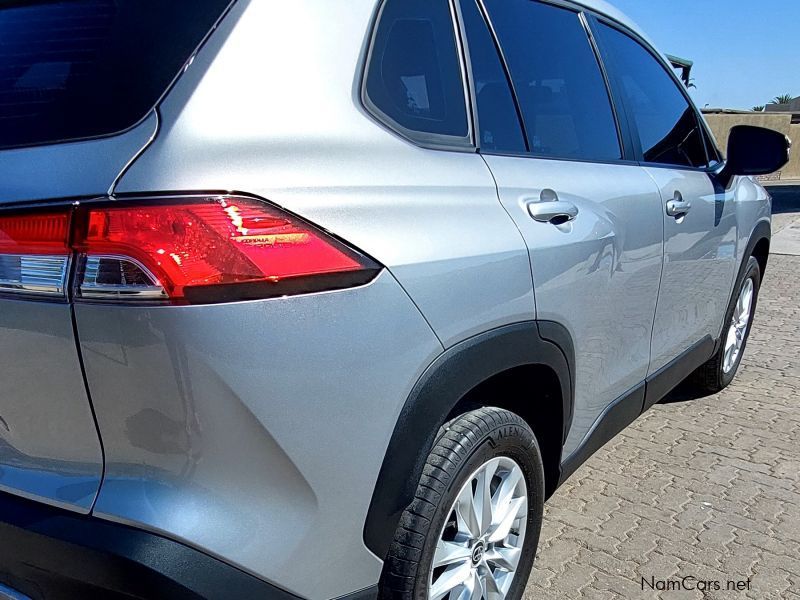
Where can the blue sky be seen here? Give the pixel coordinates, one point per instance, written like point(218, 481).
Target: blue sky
point(745, 53)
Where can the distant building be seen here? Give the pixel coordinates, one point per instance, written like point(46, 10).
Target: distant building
point(792, 107)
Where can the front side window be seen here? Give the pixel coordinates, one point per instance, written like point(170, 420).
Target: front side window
point(669, 130)
point(414, 80)
point(561, 89)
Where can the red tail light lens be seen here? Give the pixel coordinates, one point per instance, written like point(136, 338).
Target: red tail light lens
point(221, 249)
point(35, 253)
point(188, 251)
point(37, 233)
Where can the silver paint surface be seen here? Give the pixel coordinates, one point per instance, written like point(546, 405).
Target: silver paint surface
point(70, 170)
point(256, 430)
point(49, 445)
point(699, 263)
point(431, 217)
point(49, 449)
point(597, 275)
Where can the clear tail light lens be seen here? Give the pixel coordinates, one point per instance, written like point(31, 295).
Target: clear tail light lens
point(193, 250)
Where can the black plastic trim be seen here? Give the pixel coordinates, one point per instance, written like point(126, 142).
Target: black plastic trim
point(367, 594)
point(451, 376)
point(507, 70)
point(48, 553)
point(295, 286)
point(612, 421)
point(626, 409)
point(762, 231)
point(560, 336)
point(666, 379)
point(422, 139)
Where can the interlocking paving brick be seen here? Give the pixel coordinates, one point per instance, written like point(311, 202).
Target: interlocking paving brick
point(708, 488)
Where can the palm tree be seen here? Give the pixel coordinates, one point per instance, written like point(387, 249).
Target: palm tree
point(782, 99)
point(759, 108)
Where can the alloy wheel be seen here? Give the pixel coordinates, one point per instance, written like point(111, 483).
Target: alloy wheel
point(479, 548)
point(742, 313)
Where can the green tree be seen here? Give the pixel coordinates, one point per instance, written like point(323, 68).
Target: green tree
point(759, 108)
point(782, 99)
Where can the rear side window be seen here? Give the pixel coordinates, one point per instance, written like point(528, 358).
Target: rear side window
point(498, 121)
point(414, 80)
point(561, 89)
point(669, 129)
point(79, 69)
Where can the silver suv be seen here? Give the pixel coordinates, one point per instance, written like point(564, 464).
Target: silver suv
point(325, 298)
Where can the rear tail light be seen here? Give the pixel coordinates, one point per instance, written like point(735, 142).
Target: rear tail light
point(194, 250)
point(35, 253)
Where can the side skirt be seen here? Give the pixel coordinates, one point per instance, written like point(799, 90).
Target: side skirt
point(666, 379)
point(626, 409)
point(615, 418)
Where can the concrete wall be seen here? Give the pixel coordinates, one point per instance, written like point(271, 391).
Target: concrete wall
point(721, 123)
point(792, 170)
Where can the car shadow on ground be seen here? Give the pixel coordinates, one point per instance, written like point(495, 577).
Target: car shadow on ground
point(685, 392)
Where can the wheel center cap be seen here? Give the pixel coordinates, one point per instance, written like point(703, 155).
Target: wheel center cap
point(477, 554)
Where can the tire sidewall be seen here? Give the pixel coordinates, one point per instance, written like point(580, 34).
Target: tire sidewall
point(517, 443)
point(753, 272)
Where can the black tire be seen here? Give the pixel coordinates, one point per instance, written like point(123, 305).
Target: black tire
point(463, 445)
point(711, 377)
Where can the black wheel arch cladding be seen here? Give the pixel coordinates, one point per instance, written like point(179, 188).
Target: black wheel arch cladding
point(445, 382)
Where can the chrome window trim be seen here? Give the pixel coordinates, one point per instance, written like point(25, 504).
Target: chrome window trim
point(431, 141)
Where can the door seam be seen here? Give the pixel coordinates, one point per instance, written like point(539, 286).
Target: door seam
point(519, 231)
point(91, 404)
point(663, 262)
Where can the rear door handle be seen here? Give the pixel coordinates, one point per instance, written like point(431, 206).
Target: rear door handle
point(556, 212)
point(678, 208)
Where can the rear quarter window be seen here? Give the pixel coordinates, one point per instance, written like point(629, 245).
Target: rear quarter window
point(414, 80)
point(79, 69)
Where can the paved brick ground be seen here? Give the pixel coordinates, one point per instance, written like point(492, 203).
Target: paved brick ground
point(707, 488)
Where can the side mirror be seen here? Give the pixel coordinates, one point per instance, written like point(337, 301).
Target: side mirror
point(756, 151)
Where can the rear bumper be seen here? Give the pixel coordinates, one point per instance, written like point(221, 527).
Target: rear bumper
point(51, 554)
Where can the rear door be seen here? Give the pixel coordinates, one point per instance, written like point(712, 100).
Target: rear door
point(78, 84)
point(590, 217)
point(699, 220)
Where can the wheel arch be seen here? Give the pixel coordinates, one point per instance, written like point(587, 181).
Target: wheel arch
point(758, 247)
point(461, 379)
point(761, 253)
